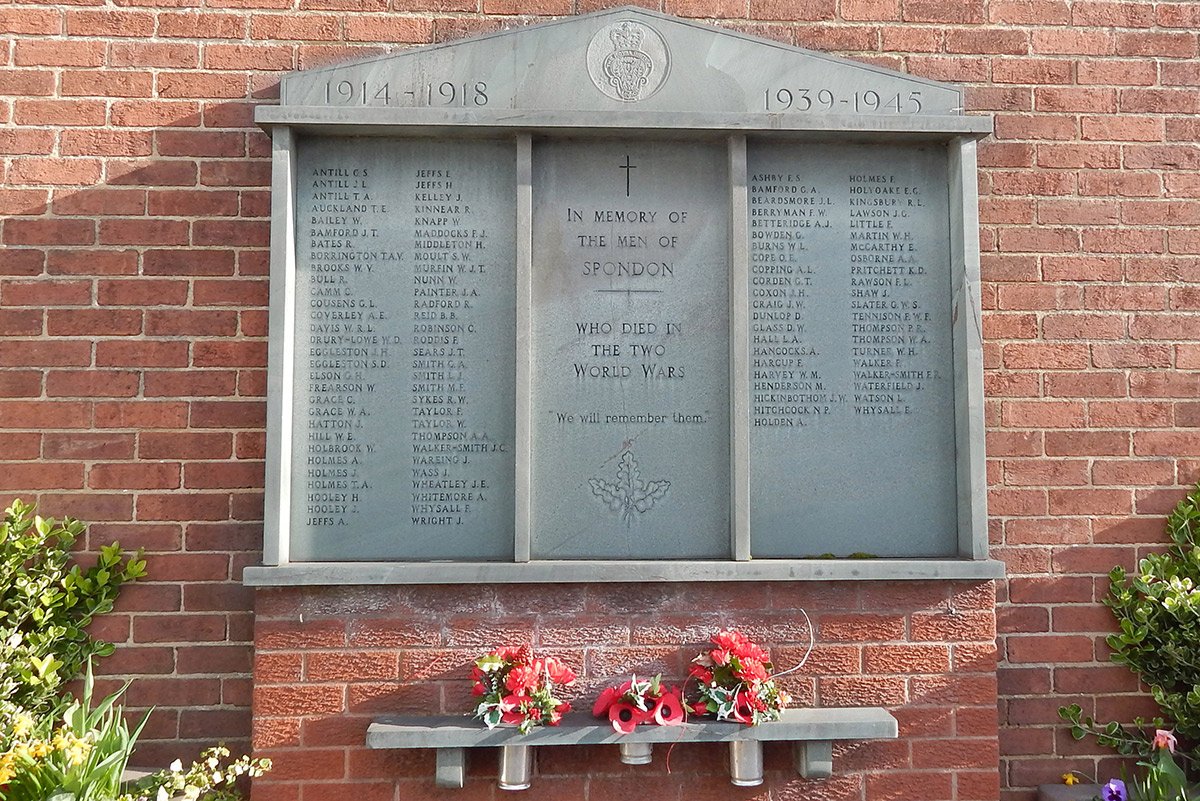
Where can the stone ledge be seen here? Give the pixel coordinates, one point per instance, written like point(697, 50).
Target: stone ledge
point(1064, 792)
point(315, 574)
point(811, 730)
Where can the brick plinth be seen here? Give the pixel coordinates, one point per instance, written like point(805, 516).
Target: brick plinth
point(327, 661)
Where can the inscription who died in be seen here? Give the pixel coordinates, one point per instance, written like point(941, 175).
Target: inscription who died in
point(630, 351)
point(405, 303)
point(850, 336)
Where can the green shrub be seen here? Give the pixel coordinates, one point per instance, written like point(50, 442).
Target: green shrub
point(212, 778)
point(1158, 617)
point(46, 604)
point(79, 759)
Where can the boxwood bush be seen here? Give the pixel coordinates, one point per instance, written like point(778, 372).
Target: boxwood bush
point(1157, 608)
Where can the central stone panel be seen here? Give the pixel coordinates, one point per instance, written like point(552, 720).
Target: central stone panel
point(630, 350)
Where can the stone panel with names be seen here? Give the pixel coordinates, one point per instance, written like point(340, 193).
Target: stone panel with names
point(852, 443)
point(403, 405)
point(630, 364)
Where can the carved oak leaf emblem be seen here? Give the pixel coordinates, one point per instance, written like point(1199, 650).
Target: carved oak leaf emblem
point(629, 494)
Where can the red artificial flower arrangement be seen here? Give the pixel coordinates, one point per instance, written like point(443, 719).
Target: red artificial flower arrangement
point(517, 686)
point(645, 701)
point(735, 681)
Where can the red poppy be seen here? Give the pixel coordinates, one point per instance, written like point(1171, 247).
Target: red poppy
point(625, 717)
point(600, 708)
point(669, 710)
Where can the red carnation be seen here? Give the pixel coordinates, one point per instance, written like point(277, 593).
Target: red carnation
point(559, 672)
point(729, 640)
point(522, 677)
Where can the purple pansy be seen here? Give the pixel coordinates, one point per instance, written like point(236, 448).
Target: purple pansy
point(1114, 791)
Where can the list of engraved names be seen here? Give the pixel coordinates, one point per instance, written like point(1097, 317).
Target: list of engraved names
point(850, 337)
point(404, 305)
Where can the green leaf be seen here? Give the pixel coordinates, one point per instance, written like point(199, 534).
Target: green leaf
point(47, 602)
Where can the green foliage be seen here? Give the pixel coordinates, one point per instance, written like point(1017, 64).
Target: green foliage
point(47, 602)
point(81, 759)
point(1162, 780)
point(208, 779)
point(1134, 740)
point(1157, 609)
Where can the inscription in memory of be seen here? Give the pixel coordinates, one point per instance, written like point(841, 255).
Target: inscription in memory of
point(630, 351)
point(849, 350)
point(405, 316)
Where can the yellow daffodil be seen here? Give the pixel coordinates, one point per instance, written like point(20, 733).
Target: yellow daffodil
point(78, 753)
point(22, 725)
point(1070, 779)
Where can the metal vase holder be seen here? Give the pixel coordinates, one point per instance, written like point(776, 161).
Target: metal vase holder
point(516, 767)
point(636, 753)
point(746, 763)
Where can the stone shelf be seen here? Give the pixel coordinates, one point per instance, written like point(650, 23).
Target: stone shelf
point(812, 732)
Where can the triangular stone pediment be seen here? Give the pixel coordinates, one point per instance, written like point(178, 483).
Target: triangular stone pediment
point(620, 60)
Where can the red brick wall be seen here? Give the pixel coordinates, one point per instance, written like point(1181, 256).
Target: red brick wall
point(133, 294)
point(327, 661)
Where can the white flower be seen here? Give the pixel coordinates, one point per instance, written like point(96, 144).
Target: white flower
point(176, 766)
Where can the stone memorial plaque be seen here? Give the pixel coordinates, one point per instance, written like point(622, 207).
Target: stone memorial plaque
point(852, 440)
point(630, 363)
point(404, 386)
point(666, 300)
